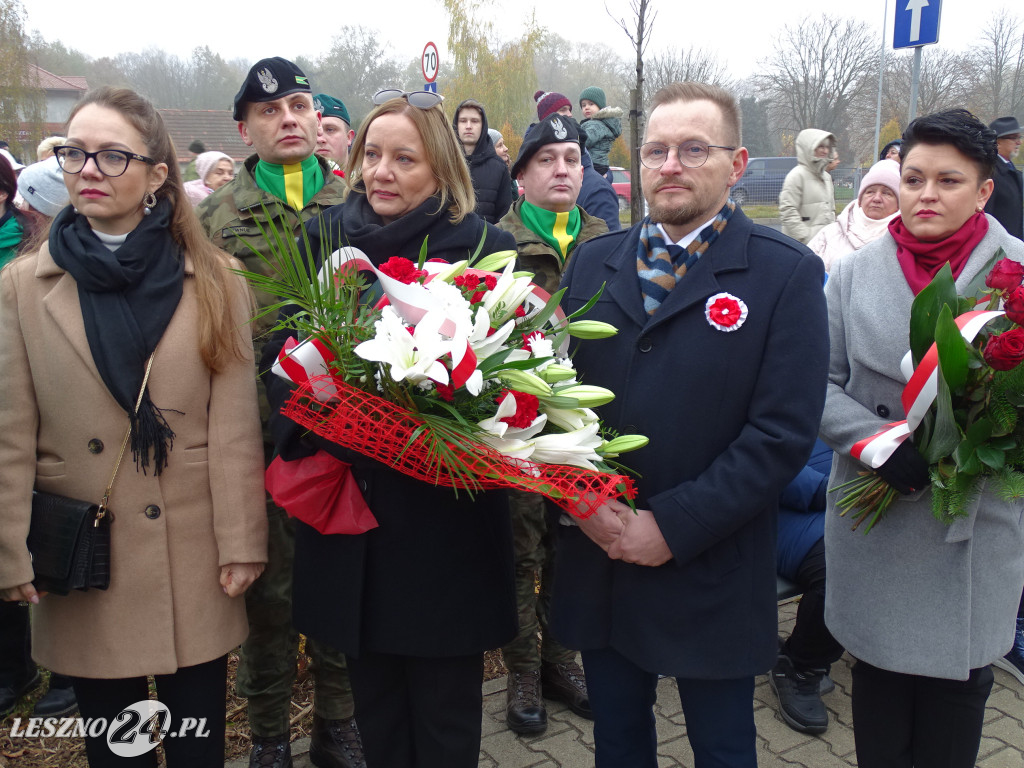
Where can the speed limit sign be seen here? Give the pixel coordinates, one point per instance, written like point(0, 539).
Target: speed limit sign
point(429, 62)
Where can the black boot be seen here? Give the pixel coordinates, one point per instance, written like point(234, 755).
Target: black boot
point(336, 744)
point(524, 709)
point(566, 682)
point(272, 752)
point(799, 693)
point(57, 702)
point(9, 694)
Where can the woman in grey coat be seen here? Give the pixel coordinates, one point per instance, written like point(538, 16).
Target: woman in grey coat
point(923, 607)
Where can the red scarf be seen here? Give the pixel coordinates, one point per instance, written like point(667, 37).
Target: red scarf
point(922, 261)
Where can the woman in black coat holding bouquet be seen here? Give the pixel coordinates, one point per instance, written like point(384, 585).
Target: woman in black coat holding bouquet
point(414, 602)
point(924, 607)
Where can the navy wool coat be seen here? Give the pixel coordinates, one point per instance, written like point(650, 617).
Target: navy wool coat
point(731, 417)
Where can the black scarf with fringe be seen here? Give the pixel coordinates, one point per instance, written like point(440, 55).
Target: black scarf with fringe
point(128, 297)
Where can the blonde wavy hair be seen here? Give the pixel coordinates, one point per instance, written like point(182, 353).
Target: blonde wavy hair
point(443, 153)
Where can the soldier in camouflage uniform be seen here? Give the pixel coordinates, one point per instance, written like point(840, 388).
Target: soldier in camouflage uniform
point(547, 224)
point(285, 184)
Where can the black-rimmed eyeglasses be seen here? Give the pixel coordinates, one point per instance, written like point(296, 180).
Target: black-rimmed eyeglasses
point(111, 162)
point(421, 99)
point(692, 154)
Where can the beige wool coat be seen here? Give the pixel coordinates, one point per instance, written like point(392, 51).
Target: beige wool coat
point(60, 431)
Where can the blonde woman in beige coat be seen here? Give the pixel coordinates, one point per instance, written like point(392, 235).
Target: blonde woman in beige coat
point(125, 272)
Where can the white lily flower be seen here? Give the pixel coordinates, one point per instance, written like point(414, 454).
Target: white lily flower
point(413, 357)
point(495, 427)
point(576, 448)
point(453, 305)
point(483, 345)
point(508, 294)
point(569, 419)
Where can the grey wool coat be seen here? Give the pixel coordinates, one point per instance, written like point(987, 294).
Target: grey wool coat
point(914, 595)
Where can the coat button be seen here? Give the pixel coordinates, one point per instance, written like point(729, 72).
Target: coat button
point(152, 511)
point(645, 344)
point(95, 445)
point(882, 411)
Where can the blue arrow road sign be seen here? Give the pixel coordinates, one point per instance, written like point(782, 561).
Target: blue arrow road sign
point(917, 23)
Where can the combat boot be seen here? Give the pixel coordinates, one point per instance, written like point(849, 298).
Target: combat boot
point(272, 752)
point(524, 709)
point(336, 744)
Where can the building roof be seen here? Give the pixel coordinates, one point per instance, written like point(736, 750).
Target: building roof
point(51, 82)
point(215, 128)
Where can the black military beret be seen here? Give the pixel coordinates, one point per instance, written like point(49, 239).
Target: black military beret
point(553, 129)
point(270, 79)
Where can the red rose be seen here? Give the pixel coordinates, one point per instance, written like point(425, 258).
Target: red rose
point(1013, 304)
point(1006, 275)
point(526, 409)
point(1005, 351)
point(402, 270)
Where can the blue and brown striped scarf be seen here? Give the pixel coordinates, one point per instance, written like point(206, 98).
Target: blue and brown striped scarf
point(660, 266)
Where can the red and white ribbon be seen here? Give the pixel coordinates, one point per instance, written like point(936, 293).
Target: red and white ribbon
point(918, 395)
point(299, 362)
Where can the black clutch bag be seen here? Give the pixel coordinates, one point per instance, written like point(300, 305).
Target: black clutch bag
point(70, 544)
point(69, 540)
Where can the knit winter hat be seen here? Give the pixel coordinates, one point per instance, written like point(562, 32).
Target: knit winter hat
point(886, 172)
point(42, 186)
point(594, 94)
point(206, 162)
point(549, 103)
point(495, 135)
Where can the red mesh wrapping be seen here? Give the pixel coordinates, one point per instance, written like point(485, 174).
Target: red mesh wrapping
point(382, 430)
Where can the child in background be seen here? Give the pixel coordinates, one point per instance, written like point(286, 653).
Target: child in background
point(602, 125)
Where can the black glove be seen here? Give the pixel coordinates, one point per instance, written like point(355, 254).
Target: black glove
point(906, 470)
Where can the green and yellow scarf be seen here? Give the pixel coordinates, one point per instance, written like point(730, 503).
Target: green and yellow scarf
point(559, 230)
point(295, 184)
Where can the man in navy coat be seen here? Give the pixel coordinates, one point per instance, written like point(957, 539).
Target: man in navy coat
point(721, 361)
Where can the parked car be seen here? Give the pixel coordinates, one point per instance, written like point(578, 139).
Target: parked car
point(762, 181)
point(620, 183)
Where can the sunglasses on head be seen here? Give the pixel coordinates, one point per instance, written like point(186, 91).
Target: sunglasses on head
point(420, 99)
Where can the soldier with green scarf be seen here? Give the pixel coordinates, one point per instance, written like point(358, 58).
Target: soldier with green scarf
point(284, 184)
point(547, 224)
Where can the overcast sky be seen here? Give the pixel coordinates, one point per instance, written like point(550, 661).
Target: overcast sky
point(739, 32)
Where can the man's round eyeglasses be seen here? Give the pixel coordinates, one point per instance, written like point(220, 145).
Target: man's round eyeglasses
point(111, 162)
point(421, 99)
point(692, 154)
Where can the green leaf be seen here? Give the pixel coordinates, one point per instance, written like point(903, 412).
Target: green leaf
point(979, 432)
point(946, 434)
point(977, 285)
point(991, 457)
point(939, 293)
point(952, 351)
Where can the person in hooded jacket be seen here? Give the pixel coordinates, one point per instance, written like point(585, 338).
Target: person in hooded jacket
point(602, 123)
point(807, 202)
point(491, 181)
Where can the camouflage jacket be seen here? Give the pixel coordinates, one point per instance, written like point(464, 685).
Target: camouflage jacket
point(232, 217)
point(539, 257)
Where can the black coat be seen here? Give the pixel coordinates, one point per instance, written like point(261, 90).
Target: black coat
point(731, 419)
point(435, 578)
point(1007, 201)
point(491, 181)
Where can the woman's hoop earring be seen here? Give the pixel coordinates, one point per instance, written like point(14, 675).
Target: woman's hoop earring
point(149, 203)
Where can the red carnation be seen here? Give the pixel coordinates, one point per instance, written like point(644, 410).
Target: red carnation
point(526, 409)
point(402, 270)
point(490, 281)
point(445, 391)
point(1005, 351)
point(1013, 304)
point(1006, 275)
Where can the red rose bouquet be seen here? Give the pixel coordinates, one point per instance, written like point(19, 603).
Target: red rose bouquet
point(964, 398)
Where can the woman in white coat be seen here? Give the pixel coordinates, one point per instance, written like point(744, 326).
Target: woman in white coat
point(864, 219)
point(925, 608)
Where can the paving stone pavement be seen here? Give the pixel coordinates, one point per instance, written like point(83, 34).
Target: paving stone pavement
point(569, 740)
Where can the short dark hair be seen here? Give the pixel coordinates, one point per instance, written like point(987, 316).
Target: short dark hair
point(959, 129)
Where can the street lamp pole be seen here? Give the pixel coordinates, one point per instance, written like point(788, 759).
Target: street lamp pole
point(881, 70)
